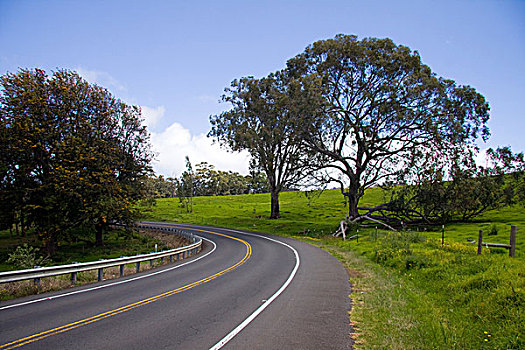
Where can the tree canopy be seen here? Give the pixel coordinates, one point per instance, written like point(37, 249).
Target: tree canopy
point(72, 154)
point(262, 120)
point(383, 116)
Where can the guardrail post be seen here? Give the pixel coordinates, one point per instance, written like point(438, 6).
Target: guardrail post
point(512, 250)
point(73, 278)
point(151, 263)
point(138, 267)
point(171, 259)
point(161, 260)
point(480, 239)
point(121, 270)
point(100, 274)
point(37, 282)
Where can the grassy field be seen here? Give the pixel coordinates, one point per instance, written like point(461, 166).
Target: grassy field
point(320, 216)
point(409, 291)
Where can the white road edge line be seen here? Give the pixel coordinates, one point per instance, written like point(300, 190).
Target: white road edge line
point(114, 283)
point(250, 318)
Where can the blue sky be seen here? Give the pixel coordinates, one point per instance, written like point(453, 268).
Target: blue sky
point(174, 58)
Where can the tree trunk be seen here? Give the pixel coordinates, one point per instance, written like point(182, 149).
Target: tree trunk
point(353, 196)
point(353, 202)
point(275, 205)
point(22, 224)
point(353, 212)
point(50, 243)
point(99, 241)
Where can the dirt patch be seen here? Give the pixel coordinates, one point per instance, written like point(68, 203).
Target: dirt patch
point(354, 273)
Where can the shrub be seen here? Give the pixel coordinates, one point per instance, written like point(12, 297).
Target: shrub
point(25, 257)
point(413, 261)
point(493, 231)
point(412, 237)
point(392, 249)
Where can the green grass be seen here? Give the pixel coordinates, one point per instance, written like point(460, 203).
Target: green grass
point(251, 212)
point(420, 295)
point(409, 291)
point(320, 216)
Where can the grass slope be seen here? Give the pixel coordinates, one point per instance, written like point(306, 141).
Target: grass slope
point(319, 216)
point(409, 291)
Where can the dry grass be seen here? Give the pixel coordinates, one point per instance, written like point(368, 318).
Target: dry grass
point(169, 240)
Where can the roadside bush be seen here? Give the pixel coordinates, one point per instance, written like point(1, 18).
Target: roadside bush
point(25, 257)
point(392, 250)
point(493, 231)
point(412, 237)
point(417, 262)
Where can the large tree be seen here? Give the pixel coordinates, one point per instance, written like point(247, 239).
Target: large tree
point(73, 154)
point(384, 116)
point(262, 121)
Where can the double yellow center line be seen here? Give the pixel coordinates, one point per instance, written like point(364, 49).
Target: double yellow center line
point(39, 336)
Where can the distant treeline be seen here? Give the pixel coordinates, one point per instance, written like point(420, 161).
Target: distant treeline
point(205, 180)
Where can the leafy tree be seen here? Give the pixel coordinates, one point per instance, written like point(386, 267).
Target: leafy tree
point(262, 121)
point(26, 257)
point(162, 187)
point(73, 155)
point(383, 116)
point(435, 201)
point(211, 182)
point(186, 187)
point(257, 181)
point(468, 192)
point(206, 180)
point(509, 167)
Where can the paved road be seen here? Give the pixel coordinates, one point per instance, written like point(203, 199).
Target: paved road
point(244, 291)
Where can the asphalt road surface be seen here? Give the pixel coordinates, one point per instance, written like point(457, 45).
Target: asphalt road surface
point(243, 291)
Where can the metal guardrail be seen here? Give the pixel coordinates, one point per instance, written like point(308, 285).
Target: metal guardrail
point(38, 273)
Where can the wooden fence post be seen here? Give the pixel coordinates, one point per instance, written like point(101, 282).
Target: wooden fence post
point(512, 250)
point(480, 239)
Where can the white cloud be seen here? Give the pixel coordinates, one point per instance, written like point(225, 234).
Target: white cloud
point(176, 142)
point(173, 144)
point(101, 78)
point(152, 115)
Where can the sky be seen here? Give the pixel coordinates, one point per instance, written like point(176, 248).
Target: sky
point(174, 58)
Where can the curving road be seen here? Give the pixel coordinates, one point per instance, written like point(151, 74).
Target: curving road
point(244, 290)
